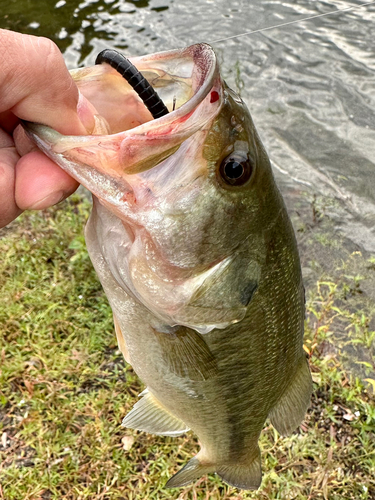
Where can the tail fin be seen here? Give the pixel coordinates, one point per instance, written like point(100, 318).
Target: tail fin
point(242, 476)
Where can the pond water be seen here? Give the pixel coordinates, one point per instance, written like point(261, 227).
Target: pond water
point(310, 87)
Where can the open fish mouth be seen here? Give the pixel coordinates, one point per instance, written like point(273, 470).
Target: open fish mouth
point(126, 139)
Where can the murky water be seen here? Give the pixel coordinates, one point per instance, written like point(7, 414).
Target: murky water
point(310, 87)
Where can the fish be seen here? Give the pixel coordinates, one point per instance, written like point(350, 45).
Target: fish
point(193, 245)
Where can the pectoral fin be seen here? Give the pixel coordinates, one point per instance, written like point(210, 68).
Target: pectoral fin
point(291, 408)
point(150, 416)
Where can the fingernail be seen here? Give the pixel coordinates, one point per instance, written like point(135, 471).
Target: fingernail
point(48, 201)
point(86, 112)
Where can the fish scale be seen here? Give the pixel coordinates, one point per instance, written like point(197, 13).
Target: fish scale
point(192, 243)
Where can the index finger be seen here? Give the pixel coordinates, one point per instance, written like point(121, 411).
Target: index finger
point(36, 84)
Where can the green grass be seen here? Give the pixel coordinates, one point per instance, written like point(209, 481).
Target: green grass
point(64, 387)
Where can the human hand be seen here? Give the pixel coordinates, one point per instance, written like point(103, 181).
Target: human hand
point(35, 85)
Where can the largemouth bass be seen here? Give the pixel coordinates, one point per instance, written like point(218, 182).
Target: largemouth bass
point(194, 248)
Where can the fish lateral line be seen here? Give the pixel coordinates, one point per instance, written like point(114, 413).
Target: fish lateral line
point(288, 23)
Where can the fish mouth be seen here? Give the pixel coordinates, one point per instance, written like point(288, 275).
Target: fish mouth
point(126, 140)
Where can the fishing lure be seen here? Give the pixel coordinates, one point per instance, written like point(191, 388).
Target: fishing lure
point(135, 78)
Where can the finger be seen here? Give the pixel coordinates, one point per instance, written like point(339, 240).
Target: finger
point(8, 159)
point(36, 85)
point(40, 183)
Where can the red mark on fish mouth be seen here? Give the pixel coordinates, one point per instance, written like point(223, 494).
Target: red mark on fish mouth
point(214, 96)
point(129, 197)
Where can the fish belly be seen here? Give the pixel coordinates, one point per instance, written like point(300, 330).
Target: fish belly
point(222, 385)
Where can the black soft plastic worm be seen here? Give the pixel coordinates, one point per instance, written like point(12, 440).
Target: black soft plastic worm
point(139, 83)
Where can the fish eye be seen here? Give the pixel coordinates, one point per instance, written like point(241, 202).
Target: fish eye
point(236, 170)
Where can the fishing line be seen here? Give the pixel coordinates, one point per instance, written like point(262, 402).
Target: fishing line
point(146, 92)
point(354, 7)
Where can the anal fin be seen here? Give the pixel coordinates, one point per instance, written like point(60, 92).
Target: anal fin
point(290, 410)
point(151, 416)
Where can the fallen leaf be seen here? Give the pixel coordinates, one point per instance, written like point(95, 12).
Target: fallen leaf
point(127, 442)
